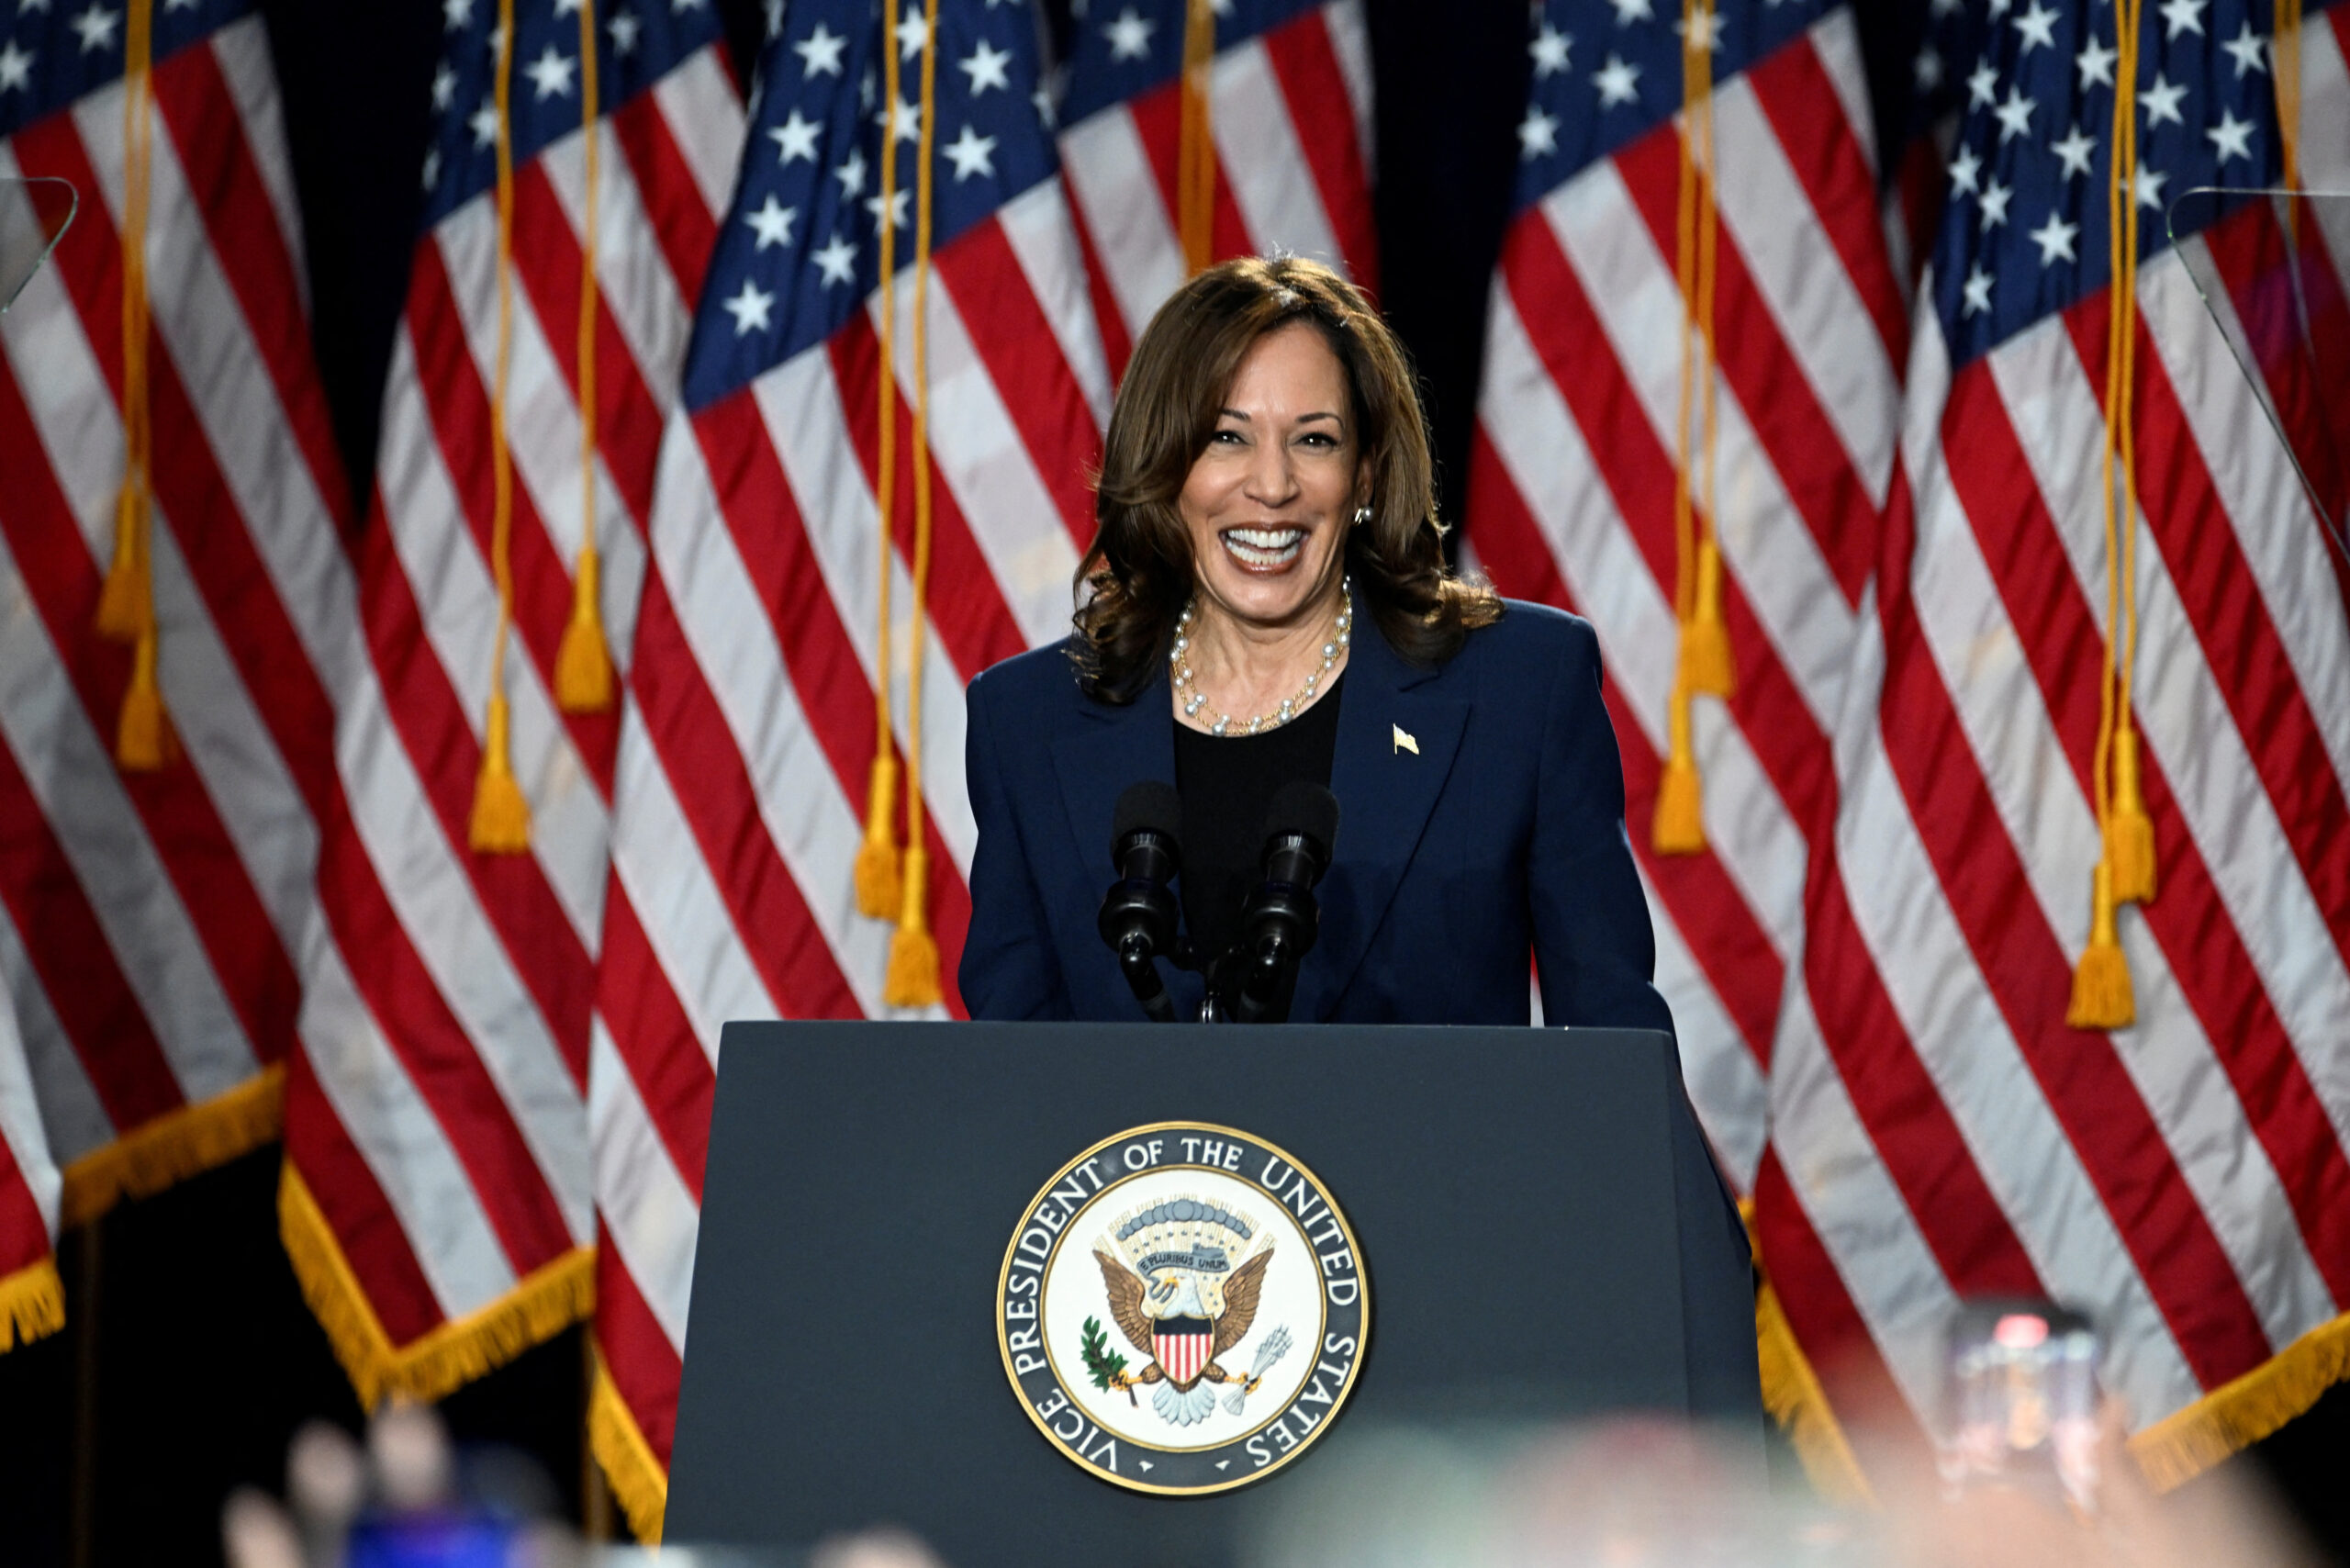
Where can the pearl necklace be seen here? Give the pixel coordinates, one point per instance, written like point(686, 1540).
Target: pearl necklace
point(1187, 685)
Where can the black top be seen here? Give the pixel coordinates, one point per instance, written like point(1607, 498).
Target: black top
point(1226, 781)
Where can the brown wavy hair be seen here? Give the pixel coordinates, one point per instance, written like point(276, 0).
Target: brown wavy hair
point(1138, 574)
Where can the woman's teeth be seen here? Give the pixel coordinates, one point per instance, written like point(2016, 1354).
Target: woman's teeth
point(1263, 547)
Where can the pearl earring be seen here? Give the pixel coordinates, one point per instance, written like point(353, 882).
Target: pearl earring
point(1362, 515)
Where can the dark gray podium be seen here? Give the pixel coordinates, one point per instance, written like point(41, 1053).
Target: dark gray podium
point(1540, 1225)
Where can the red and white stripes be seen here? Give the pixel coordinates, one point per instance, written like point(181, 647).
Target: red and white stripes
point(437, 1193)
point(1289, 111)
point(744, 754)
point(149, 920)
point(32, 1298)
point(1570, 488)
point(1939, 1130)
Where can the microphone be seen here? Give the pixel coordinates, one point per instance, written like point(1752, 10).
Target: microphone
point(1281, 920)
point(1138, 914)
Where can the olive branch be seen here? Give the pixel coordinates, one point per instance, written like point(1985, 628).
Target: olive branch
point(1103, 1363)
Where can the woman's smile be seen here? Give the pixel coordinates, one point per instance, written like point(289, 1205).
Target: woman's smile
point(1266, 551)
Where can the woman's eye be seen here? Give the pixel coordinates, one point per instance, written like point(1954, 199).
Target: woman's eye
point(1229, 438)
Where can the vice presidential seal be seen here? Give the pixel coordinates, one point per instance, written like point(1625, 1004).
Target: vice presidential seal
point(1182, 1309)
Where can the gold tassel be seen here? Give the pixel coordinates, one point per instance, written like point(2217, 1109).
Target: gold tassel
point(143, 740)
point(582, 662)
point(2130, 843)
point(1705, 639)
point(1679, 827)
point(2101, 998)
point(126, 598)
point(878, 868)
point(501, 817)
point(913, 952)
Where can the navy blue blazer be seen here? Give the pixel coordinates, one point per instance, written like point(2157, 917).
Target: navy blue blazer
point(1501, 836)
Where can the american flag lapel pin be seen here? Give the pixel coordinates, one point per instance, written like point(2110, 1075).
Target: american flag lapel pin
point(1403, 741)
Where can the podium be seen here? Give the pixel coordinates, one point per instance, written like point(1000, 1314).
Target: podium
point(1541, 1236)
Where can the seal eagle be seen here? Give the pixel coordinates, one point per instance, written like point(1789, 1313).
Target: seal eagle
point(1144, 1310)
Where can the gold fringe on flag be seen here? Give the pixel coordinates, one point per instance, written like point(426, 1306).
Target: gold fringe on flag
point(1791, 1390)
point(913, 980)
point(1195, 139)
point(636, 1476)
point(2240, 1412)
point(143, 739)
point(500, 823)
point(583, 660)
point(172, 1146)
point(541, 1304)
point(2169, 1453)
point(33, 1304)
point(1703, 664)
point(1791, 1394)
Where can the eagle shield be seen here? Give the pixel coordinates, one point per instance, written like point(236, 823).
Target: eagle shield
point(1183, 1294)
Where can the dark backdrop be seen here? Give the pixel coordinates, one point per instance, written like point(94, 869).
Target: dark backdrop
point(189, 1358)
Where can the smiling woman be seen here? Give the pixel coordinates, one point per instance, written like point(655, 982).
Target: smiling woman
point(1268, 416)
point(1266, 479)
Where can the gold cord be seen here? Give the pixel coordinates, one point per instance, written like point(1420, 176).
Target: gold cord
point(1195, 140)
point(2102, 997)
point(583, 661)
point(143, 737)
point(500, 824)
point(1702, 662)
point(913, 980)
point(879, 872)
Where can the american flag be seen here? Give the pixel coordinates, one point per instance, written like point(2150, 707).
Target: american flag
point(436, 1191)
point(1571, 487)
point(746, 753)
point(1289, 112)
point(150, 916)
point(32, 1298)
point(1938, 1128)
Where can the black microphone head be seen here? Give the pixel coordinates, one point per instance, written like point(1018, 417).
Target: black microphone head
point(1151, 806)
point(1306, 809)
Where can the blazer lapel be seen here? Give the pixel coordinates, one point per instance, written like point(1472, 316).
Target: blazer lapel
point(1097, 759)
point(1386, 790)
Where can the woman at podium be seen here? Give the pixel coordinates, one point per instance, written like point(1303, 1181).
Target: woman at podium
point(1265, 605)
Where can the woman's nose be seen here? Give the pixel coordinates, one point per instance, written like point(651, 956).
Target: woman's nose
point(1273, 480)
